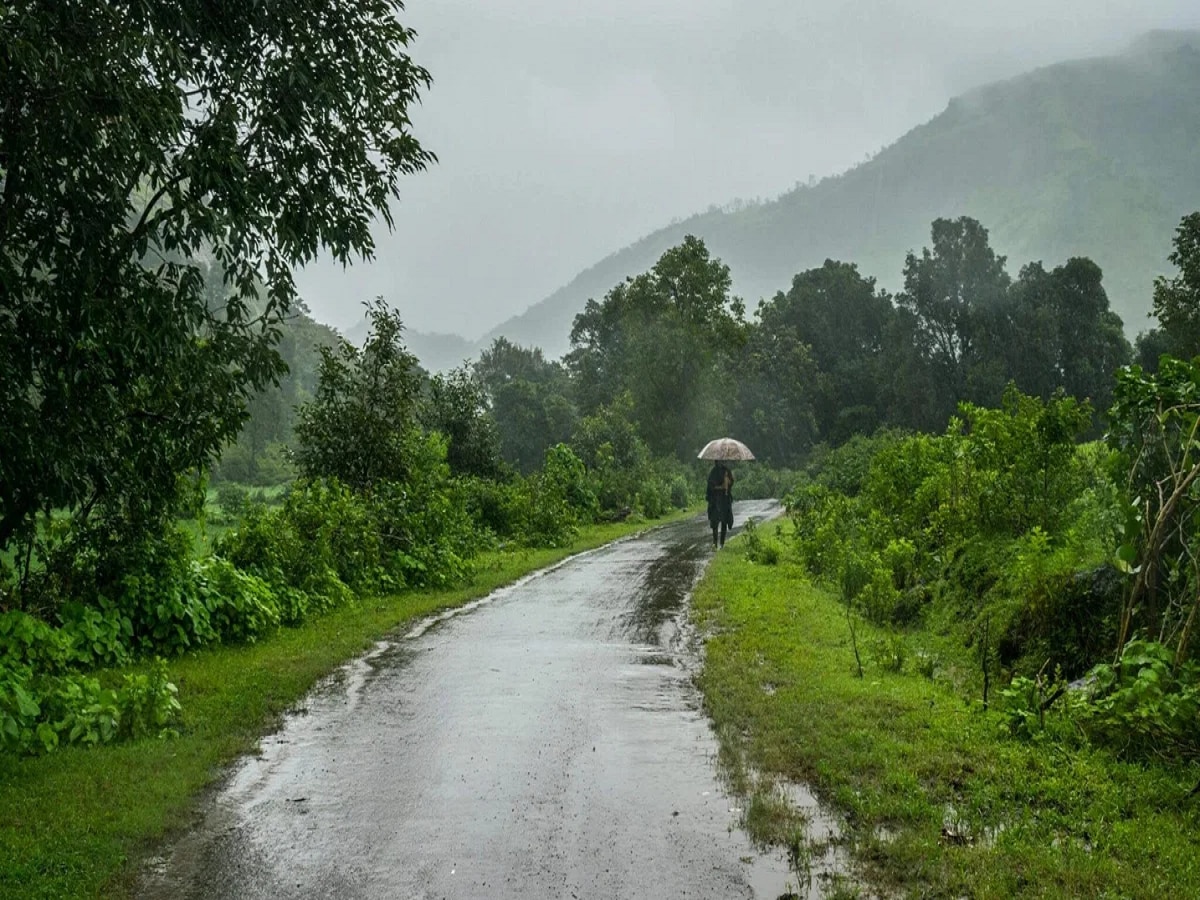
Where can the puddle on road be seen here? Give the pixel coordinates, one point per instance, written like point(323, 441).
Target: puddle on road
point(665, 587)
point(818, 864)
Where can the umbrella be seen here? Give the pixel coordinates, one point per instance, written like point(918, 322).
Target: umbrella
point(725, 448)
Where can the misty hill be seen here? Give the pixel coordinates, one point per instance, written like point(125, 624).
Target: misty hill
point(1094, 157)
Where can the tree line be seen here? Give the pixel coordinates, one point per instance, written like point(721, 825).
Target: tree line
point(831, 357)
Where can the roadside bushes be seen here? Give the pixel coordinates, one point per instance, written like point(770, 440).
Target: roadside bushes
point(1001, 531)
point(1141, 706)
point(622, 473)
point(761, 481)
point(278, 567)
point(544, 509)
point(557, 500)
point(241, 606)
point(989, 522)
point(46, 702)
point(39, 712)
point(327, 543)
point(1144, 704)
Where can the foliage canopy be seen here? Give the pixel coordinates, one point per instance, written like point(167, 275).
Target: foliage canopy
point(162, 168)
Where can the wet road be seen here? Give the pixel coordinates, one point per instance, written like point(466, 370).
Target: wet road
point(544, 742)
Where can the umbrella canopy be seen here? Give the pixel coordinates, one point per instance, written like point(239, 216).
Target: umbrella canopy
point(725, 448)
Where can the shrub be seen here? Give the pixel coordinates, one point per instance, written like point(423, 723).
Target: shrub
point(147, 704)
point(233, 499)
point(759, 548)
point(653, 498)
point(19, 709)
point(547, 520)
point(337, 532)
point(26, 640)
point(95, 636)
point(494, 506)
point(555, 500)
point(761, 481)
point(889, 652)
point(242, 607)
point(618, 462)
point(78, 710)
point(320, 527)
point(565, 474)
point(900, 557)
point(40, 713)
point(825, 523)
point(162, 600)
point(845, 469)
point(427, 538)
point(327, 540)
point(1144, 705)
point(681, 492)
point(879, 598)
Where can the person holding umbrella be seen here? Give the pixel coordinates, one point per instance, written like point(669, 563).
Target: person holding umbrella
point(719, 494)
point(719, 488)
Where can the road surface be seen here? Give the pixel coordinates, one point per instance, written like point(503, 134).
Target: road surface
point(544, 742)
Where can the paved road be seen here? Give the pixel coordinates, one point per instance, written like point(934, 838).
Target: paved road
point(545, 742)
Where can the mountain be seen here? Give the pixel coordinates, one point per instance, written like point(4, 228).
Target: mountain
point(1094, 157)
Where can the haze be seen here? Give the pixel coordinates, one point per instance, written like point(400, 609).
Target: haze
point(568, 130)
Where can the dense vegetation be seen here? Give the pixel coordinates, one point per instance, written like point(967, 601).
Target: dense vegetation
point(1054, 560)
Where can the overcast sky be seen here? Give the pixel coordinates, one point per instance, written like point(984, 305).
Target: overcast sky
point(566, 129)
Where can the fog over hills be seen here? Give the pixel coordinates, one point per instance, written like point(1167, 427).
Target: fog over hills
point(1093, 157)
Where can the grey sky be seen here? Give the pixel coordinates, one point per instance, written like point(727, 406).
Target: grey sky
point(567, 129)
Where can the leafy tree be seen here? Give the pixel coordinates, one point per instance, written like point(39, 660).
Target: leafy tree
point(956, 291)
point(144, 145)
point(1150, 347)
point(910, 395)
point(1020, 470)
point(1177, 300)
point(661, 337)
point(1063, 334)
point(457, 408)
point(608, 444)
point(842, 319)
point(505, 362)
point(361, 427)
point(530, 402)
point(776, 376)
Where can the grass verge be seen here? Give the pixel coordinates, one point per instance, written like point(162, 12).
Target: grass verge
point(76, 823)
point(935, 799)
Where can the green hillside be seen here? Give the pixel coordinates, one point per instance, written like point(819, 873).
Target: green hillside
point(1094, 157)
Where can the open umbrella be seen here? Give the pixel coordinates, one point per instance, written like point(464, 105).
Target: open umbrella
point(725, 448)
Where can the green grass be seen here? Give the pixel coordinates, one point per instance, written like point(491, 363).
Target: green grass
point(936, 799)
point(77, 822)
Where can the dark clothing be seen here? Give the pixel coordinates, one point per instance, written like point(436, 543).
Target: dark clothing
point(719, 493)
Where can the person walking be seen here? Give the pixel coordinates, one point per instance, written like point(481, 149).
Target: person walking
point(719, 494)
